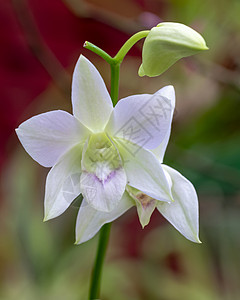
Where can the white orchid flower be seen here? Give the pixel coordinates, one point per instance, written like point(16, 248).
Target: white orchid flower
point(105, 154)
point(182, 213)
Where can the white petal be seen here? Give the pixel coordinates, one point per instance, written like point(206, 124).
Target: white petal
point(90, 220)
point(183, 212)
point(46, 137)
point(144, 172)
point(143, 119)
point(91, 101)
point(63, 183)
point(160, 150)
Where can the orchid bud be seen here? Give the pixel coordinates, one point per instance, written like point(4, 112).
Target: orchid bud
point(167, 43)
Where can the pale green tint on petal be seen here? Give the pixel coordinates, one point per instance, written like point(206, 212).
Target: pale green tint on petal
point(143, 119)
point(103, 179)
point(90, 220)
point(169, 93)
point(63, 183)
point(46, 137)
point(91, 101)
point(144, 172)
point(145, 205)
point(166, 44)
point(183, 212)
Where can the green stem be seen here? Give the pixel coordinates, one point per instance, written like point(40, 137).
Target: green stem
point(99, 52)
point(128, 45)
point(97, 269)
point(115, 69)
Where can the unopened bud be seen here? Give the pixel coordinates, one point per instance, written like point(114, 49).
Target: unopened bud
point(167, 43)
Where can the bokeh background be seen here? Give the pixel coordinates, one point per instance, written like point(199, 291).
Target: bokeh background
point(40, 43)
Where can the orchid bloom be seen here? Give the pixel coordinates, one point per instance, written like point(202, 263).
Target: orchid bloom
point(112, 156)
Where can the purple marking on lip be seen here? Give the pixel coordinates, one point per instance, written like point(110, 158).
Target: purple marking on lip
point(109, 177)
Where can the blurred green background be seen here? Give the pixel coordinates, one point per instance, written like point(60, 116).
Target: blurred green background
point(40, 43)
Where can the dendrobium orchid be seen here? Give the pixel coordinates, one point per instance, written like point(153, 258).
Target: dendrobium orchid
point(112, 156)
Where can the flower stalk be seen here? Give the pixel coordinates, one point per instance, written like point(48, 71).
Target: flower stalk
point(94, 292)
point(115, 70)
point(129, 43)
